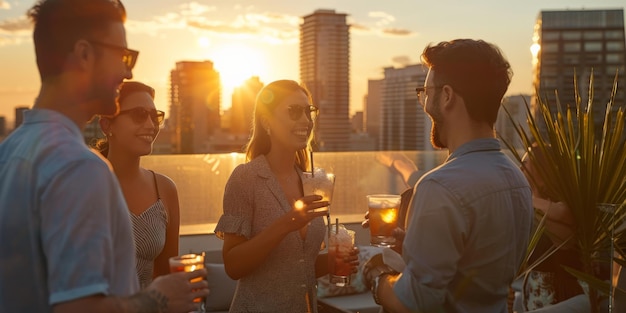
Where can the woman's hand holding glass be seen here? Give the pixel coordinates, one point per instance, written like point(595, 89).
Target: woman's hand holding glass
point(304, 210)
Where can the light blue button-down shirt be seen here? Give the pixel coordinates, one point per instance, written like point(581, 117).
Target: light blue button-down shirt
point(467, 231)
point(65, 232)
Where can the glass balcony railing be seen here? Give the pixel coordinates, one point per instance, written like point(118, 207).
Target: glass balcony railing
point(201, 179)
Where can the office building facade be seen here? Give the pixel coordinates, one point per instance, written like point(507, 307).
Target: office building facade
point(324, 69)
point(403, 125)
point(242, 108)
point(194, 105)
point(578, 44)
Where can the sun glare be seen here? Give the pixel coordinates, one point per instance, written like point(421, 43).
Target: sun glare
point(236, 63)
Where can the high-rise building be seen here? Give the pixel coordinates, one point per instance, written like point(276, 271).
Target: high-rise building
point(404, 124)
point(3, 126)
point(516, 106)
point(194, 105)
point(577, 43)
point(357, 122)
point(324, 69)
point(242, 108)
point(372, 109)
point(19, 115)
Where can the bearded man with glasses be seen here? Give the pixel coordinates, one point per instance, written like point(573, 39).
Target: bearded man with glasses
point(66, 235)
point(469, 220)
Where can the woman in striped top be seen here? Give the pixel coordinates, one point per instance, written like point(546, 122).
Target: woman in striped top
point(152, 198)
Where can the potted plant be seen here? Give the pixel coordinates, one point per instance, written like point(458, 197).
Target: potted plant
point(589, 172)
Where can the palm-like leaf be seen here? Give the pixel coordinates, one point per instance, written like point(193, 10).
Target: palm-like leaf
point(585, 171)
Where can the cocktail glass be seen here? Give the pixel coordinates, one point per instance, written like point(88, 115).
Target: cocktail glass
point(319, 183)
point(189, 263)
point(340, 244)
point(383, 219)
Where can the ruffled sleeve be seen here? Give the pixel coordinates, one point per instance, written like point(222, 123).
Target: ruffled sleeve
point(237, 204)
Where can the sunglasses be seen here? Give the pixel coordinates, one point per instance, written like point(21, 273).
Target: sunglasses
point(129, 57)
point(139, 115)
point(296, 111)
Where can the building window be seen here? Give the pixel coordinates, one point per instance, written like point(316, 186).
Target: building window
point(614, 34)
point(571, 35)
point(571, 47)
point(571, 59)
point(550, 47)
point(593, 46)
point(592, 34)
point(615, 46)
point(550, 35)
point(614, 58)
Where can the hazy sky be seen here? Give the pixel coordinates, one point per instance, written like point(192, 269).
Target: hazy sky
point(245, 38)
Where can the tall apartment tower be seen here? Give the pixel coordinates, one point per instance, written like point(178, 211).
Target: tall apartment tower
point(372, 109)
point(242, 109)
point(324, 69)
point(575, 43)
point(194, 105)
point(404, 124)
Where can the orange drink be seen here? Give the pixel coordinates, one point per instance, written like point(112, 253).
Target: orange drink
point(383, 219)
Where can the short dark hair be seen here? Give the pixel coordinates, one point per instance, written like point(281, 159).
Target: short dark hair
point(60, 23)
point(476, 70)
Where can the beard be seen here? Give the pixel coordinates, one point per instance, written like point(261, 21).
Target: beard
point(103, 95)
point(437, 124)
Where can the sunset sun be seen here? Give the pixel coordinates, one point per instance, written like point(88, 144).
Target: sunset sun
point(236, 63)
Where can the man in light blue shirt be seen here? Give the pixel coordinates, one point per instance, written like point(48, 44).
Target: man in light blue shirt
point(66, 240)
point(469, 220)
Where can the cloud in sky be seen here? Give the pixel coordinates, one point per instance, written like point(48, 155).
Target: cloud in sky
point(15, 31)
point(4, 5)
point(272, 27)
point(402, 60)
point(397, 32)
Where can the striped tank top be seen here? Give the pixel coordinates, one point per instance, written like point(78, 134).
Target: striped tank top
point(149, 230)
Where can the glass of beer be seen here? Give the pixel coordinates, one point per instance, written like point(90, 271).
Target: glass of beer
point(340, 244)
point(189, 263)
point(383, 219)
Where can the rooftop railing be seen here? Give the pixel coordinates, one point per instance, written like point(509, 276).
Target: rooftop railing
point(201, 179)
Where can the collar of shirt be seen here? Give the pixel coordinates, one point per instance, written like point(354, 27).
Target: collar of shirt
point(34, 116)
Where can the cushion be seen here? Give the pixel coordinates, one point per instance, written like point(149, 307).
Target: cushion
point(222, 288)
point(357, 285)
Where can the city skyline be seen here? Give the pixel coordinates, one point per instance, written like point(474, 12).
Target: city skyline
point(260, 38)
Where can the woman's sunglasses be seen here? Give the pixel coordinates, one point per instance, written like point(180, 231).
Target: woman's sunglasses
point(295, 112)
point(139, 115)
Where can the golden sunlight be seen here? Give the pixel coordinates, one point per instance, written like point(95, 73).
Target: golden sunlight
point(236, 63)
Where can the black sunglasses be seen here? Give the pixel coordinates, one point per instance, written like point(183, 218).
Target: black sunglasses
point(139, 115)
point(296, 111)
point(129, 58)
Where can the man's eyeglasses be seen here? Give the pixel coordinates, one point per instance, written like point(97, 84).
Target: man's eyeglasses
point(421, 93)
point(295, 112)
point(139, 115)
point(129, 58)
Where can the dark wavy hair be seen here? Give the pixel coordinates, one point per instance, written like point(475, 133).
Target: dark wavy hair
point(59, 24)
point(266, 101)
point(476, 70)
point(127, 88)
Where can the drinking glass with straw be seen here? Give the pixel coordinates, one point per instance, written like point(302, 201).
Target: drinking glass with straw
point(319, 182)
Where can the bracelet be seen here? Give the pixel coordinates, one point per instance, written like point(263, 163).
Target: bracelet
point(375, 285)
